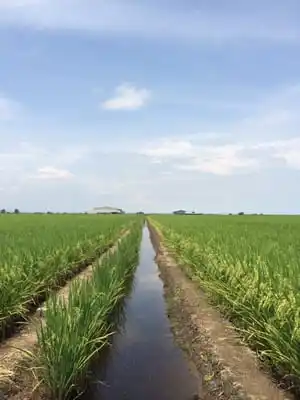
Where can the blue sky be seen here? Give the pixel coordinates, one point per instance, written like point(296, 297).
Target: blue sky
point(151, 105)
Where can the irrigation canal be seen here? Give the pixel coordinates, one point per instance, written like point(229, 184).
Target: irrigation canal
point(143, 361)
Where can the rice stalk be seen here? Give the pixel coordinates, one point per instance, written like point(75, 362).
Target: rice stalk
point(78, 327)
point(249, 266)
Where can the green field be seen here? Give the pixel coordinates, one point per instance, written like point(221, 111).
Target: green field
point(39, 252)
point(250, 267)
point(78, 327)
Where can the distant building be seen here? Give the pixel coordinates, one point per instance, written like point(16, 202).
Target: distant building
point(106, 210)
point(180, 212)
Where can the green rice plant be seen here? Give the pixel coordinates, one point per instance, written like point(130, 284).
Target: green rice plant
point(77, 328)
point(40, 252)
point(250, 267)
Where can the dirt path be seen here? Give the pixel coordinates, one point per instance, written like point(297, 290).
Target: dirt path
point(229, 369)
point(13, 355)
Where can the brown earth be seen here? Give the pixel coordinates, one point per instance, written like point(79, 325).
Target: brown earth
point(17, 380)
point(228, 368)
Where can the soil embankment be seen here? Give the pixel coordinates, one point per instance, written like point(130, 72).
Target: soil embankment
point(229, 369)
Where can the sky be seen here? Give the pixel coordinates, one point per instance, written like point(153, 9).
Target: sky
point(152, 105)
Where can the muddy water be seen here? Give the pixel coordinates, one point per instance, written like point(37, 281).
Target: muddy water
point(143, 361)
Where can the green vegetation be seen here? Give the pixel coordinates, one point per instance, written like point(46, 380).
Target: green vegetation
point(39, 252)
point(78, 327)
point(250, 266)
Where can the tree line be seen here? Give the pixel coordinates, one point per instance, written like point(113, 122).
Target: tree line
point(16, 211)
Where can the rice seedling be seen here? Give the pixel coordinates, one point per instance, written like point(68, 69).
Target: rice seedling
point(77, 328)
point(40, 252)
point(249, 265)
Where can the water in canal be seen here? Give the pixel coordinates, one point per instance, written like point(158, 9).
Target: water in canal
point(143, 362)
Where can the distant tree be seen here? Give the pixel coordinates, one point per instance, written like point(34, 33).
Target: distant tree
point(3, 211)
point(230, 214)
point(49, 212)
point(16, 211)
point(241, 213)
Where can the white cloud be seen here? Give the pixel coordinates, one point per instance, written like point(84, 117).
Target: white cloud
point(26, 163)
point(52, 173)
point(130, 182)
point(127, 97)
point(190, 156)
point(227, 159)
point(222, 160)
point(128, 172)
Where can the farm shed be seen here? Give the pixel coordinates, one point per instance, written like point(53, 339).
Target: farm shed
point(106, 210)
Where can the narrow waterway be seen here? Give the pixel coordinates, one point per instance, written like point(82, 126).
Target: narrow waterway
point(143, 362)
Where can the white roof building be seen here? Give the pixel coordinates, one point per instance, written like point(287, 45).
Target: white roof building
point(106, 210)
